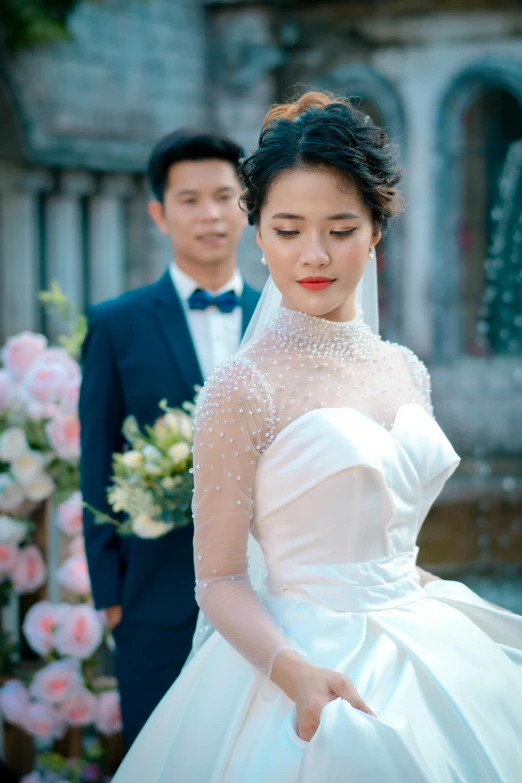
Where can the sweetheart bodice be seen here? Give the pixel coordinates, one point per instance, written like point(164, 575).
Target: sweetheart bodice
point(335, 486)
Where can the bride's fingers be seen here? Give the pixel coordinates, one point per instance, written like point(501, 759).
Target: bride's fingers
point(346, 690)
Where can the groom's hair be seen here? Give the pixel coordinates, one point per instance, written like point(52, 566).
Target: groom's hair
point(188, 144)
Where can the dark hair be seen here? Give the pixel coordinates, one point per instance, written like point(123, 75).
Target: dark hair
point(187, 144)
point(319, 130)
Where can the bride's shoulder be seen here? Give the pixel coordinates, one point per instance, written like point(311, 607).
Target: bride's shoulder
point(415, 366)
point(234, 382)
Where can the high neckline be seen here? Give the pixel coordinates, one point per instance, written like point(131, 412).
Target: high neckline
point(298, 331)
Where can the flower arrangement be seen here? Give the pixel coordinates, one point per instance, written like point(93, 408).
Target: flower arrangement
point(39, 425)
point(152, 480)
point(39, 460)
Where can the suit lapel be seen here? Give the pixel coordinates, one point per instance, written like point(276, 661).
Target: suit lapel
point(250, 300)
point(173, 324)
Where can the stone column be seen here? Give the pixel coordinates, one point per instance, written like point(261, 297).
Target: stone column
point(20, 248)
point(140, 269)
point(107, 238)
point(66, 241)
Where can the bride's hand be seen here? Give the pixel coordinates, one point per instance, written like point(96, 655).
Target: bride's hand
point(312, 688)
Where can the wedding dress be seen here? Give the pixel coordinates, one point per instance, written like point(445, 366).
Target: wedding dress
point(319, 440)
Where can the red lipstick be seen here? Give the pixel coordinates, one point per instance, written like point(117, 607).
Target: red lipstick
point(315, 283)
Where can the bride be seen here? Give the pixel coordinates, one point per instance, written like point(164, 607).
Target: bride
point(346, 662)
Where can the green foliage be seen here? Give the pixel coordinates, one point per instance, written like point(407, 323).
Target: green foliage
point(28, 22)
point(53, 766)
point(55, 301)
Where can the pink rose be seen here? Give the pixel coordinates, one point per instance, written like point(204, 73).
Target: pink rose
point(61, 357)
point(45, 382)
point(69, 515)
point(14, 702)
point(80, 632)
point(6, 390)
point(8, 555)
point(64, 435)
point(40, 624)
point(80, 708)
point(70, 396)
point(29, 571)
point(73, 574)
point(21, 351)
point(108, 714)
point(57, 681)
point(43, 721)
point(77, 546)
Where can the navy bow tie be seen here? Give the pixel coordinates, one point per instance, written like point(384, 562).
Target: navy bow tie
point(225, 303)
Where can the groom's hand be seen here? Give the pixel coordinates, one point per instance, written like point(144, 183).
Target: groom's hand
point(113, 616)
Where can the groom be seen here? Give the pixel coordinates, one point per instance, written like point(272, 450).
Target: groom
point(149, 344)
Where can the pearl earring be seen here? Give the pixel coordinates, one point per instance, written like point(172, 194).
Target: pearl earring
point(371, 254)
point(263, 259)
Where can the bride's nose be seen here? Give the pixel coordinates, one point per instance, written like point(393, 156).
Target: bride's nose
point(315, 254)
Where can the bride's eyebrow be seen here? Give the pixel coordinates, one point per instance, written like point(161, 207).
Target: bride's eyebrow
point(291, 216)
point(287, 216)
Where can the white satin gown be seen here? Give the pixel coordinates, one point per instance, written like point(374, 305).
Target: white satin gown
point(319, 440)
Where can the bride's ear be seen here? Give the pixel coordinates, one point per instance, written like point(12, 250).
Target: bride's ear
point(376, 236)
point(259, 240)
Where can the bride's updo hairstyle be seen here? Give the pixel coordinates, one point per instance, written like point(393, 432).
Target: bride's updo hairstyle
point(321, 131)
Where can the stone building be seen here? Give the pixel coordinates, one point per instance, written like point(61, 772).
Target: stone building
point(445, 78)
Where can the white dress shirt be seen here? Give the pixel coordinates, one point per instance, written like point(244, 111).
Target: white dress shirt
point(216, 335)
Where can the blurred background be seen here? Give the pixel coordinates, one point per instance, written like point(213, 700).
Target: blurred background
point(87, 87)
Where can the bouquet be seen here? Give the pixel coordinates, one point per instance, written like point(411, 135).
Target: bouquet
point(152, 480)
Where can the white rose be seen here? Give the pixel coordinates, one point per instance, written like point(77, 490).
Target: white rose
point(11, 530)
point(132, 459)
point(40, 488)
point(145, 527)
point(11, 493)
point(27, 467)
point(171, 421)
point(151, 453)
point(118, 499)
point(179, 452)
point(153, 469)
point(13, 444)
point(185, 428)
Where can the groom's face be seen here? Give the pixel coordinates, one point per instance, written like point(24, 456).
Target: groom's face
point(200, 211)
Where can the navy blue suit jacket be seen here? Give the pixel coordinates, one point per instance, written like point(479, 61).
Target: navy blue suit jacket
point(138, 351)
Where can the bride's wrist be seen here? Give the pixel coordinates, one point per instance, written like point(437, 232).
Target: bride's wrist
point(287, 672)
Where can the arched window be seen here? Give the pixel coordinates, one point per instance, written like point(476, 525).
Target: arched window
point(479, 121)
point(492, 123)
point(378, 98)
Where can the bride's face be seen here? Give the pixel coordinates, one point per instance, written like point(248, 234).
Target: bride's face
point(316, 234)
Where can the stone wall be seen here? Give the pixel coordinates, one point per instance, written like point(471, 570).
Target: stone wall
point(132, 71)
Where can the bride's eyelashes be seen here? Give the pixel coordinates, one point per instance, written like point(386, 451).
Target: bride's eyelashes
point(292, 233)
point(281, 233)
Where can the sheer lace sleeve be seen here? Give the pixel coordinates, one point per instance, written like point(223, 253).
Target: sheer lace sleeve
point(234, 424)
point(421, 377)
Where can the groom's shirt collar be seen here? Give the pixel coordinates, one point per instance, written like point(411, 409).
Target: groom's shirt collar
point(186, 285)
point(215, 335)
